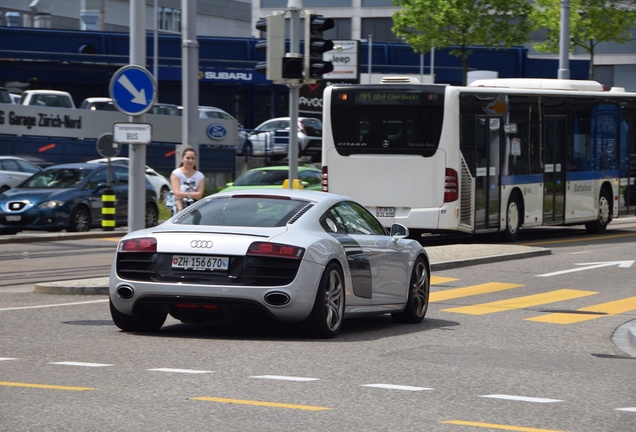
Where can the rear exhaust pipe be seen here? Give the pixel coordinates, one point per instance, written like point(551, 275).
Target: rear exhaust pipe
point(277, 298)
point(125, 292)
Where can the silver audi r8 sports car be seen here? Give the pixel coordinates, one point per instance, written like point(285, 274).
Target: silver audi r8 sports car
point(301, 256)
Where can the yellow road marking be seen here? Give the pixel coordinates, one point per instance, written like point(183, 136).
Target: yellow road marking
point(436, 280)
point(470, 291)
point(603, 309)
point(260, 403)
point(497, 426)
point(520, 302)
point(44, 386)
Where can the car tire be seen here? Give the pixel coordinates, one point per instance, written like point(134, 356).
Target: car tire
point(327, 315)
point(80, 220)
point(513, 219)
point(604, 214)
point(152, 215)
point(419, 291)
point(144, 322)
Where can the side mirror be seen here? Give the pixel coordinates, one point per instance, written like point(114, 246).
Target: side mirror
point(399, 231)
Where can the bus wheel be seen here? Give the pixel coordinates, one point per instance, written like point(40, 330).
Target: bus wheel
point(604, 215)
point(513, 219)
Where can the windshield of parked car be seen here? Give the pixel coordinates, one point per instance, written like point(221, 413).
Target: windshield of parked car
point(57, 178)
point(245, 210)
point(262, 178)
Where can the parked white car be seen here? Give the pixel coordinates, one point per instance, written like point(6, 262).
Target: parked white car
point(262, 141)
point(48, 98)
point(14, 170)
point(161, 184)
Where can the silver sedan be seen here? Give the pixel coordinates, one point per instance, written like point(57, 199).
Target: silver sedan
point(293, 255)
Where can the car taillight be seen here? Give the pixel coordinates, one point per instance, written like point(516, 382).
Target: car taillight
point(325, 179)
point(451, 185)
point(275, 250)
point(301, 127)
point(144, 244)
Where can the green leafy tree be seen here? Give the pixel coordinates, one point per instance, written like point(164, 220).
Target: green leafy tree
point(461, 24)
point(591, 22)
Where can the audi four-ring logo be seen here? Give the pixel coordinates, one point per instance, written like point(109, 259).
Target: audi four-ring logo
point(201, 244)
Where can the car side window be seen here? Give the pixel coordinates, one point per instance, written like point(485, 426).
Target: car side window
point(27, 167)
point(332, 222)
point(120, 176)
point(9, 165)
point(95, 180)
point(311, 177)
point(358, 220)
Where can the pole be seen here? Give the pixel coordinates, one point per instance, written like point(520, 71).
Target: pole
point(155, 45)
point(295, 6)
point(190, 68)
point(564, 41)
point(136, 169)
point(369, 56)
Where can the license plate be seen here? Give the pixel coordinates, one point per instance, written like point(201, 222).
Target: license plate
point(385, 211)
point(14, 218)
point(199, 262)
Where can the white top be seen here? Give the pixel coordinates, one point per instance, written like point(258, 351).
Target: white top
point(188, 184)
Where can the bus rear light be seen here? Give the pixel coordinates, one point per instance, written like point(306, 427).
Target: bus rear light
point(325, 179)
point(451, 185)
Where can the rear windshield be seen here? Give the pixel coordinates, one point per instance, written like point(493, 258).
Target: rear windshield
point(387, 121)
point(262, 178)
point(247, 211)
point(312, 127)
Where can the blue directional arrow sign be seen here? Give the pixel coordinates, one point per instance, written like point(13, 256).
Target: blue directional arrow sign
point(133, 90)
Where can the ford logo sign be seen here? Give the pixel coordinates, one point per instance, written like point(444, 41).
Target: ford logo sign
point(216, 131)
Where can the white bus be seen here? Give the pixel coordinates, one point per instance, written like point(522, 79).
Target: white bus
point(495, 156)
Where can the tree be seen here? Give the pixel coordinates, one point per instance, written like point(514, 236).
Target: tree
point(591, 22)
point(461, 24)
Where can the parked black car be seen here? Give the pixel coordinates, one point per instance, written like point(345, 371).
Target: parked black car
point(69, 197)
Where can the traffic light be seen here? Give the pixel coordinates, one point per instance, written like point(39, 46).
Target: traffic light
point(293, 66)
point(316, 46)
point(274, 45)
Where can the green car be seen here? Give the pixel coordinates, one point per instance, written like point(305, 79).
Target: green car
point(274, 176)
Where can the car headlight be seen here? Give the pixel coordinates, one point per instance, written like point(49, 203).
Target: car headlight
point(52, 204)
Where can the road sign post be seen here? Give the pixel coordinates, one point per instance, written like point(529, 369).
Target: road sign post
point(134, 91)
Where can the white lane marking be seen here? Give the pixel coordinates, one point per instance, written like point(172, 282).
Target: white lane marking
point(81, 364)
point(284, 378)
point(397, 387)
point(521, 398)
point(53, 305)
point(185, 371)
point(628, 409)
point(7, 358)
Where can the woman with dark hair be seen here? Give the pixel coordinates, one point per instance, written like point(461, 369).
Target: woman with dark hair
point(187, 182)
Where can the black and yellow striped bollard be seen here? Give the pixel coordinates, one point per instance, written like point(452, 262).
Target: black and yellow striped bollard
point(108, 209)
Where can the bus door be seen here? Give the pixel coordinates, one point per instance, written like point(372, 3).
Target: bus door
point(628, 172)
point(487, 157)
point(554, 151)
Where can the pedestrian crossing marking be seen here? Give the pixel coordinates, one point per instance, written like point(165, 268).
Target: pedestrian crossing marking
point(595, 311)
point(485, 288)
point(437, 280)
point(521, 302)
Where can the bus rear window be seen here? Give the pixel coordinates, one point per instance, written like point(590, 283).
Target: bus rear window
point(400, 127)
